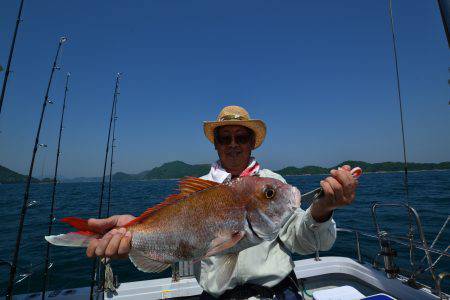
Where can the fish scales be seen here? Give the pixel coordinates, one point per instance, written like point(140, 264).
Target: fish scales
point(185, 230)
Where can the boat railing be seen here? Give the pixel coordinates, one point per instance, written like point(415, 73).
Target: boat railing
point(387, 253)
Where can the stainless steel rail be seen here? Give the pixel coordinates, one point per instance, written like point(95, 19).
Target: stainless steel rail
point(357, 233)
point(413, 212)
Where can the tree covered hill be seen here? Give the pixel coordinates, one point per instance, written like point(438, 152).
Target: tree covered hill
point(179, 169)
point(170, 170)
point(367, 167)
point(9, 176)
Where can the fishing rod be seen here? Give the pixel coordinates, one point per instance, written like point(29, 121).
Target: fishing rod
point(444, 8)
point(112, 153)
point(51, 216)
point(11, 51)
point(108, 277)
point(95, 263)
point(25, 203)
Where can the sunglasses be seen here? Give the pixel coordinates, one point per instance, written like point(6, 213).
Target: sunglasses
point(240, 139)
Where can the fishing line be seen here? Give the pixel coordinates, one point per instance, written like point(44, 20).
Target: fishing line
point(44, 160)
point(400, 103)
point(11, 52)
point(23, 212)
point(405, 163)
point(51, 216)
point(95, 263)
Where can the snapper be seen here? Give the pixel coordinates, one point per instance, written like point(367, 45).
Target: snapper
point(205, 219)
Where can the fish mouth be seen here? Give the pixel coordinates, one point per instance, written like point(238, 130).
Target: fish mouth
point(296, 198)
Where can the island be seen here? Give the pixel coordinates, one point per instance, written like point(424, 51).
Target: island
point(178, 169)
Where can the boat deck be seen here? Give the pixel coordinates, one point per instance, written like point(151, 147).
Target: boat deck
point(329, 272)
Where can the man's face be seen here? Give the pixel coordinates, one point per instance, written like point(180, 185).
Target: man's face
point(234, 144)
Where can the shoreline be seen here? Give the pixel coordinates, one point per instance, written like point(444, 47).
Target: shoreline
point(294, 175)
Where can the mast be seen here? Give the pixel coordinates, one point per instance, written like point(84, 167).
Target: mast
point(11, 51)
point(23, 212)
point(95, 263)
point(55, 175)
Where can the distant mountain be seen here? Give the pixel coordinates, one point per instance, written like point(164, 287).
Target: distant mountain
point(179, 169)
point(302, 171)
point(170, 170)
point(9, 176)
point(367, 167)
point(82, 179)
point(121, 176)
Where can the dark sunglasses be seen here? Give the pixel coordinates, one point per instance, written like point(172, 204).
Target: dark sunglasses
point(240, 139)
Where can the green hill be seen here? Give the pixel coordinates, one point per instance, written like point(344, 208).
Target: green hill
point(303, 170)
point(121, 176)
point(9, 176)
point(367, 167)
point(170, 170)
point(177, 169)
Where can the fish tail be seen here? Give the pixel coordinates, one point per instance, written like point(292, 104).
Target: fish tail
point(72, 239)
point(80, 238)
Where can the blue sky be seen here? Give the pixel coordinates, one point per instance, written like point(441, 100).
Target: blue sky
point(319, 73)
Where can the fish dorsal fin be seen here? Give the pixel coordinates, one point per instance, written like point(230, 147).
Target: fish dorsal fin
point(168, 201)
point(188, 186)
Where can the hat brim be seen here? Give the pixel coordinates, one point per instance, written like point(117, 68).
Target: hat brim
point(257, 126)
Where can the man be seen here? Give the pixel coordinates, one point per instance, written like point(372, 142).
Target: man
point(264, 270)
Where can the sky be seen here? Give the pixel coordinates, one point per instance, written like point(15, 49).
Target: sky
point(319, 73)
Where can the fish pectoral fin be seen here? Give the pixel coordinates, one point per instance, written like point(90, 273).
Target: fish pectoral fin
point(222, 243)
point(145, 264)
point(226, 265)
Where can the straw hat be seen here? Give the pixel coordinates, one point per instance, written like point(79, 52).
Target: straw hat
point(236, 115)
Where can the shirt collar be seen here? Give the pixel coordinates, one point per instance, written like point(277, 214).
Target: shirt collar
point(218, 173)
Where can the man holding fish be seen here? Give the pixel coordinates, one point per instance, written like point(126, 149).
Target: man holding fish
point(239, 223)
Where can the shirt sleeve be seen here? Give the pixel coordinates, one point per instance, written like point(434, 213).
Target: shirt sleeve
point(303, 235)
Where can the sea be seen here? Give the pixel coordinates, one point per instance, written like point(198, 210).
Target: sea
point(429, 194)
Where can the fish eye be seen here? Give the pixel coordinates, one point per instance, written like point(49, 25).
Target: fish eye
point(269, 192)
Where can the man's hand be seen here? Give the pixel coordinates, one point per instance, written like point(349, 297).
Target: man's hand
point(116, 243)
point(338, 190)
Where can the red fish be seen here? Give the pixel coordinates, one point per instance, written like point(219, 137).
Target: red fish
point(204, 219)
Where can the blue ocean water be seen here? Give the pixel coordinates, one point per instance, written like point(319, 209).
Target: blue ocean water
point(429, 194)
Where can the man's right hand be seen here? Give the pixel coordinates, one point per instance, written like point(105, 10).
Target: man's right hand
point(116, 243)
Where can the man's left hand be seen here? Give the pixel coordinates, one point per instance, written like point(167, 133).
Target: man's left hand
point(339, 189)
